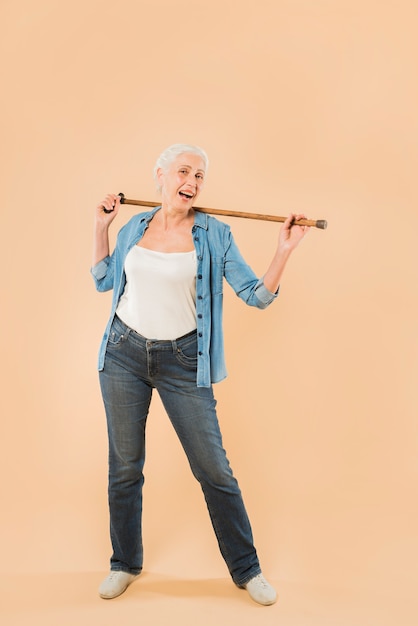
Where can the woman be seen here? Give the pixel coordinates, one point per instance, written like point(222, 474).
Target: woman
point(165, 332)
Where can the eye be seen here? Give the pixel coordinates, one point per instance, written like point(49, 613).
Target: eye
point(199, 176)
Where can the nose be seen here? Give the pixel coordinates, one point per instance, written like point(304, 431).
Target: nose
point(191, 180)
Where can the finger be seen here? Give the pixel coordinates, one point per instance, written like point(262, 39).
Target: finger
point(289, 221)
point(301, 216)
point(109, 203)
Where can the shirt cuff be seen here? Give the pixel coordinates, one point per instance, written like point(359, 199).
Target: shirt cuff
point(99, 270)
point(263, 294)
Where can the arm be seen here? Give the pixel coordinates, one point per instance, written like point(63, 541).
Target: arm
point(253, 291)
point(101, 227)
point(289, 237)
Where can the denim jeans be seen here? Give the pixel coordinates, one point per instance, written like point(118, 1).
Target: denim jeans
point(134, 366)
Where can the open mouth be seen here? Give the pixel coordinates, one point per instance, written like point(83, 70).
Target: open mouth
point(186, 194)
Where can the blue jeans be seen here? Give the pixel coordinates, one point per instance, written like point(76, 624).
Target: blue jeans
point(134, 366)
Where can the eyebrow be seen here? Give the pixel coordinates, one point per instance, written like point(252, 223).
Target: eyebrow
point(190, 168)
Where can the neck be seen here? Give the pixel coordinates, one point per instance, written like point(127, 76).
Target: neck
point(171, 217)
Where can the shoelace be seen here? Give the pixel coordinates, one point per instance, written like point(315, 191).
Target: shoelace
point(261, 581)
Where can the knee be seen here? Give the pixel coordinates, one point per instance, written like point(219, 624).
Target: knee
point(217, 476)
point(124, 470)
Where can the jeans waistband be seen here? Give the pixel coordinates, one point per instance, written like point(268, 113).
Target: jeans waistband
point(160, 342)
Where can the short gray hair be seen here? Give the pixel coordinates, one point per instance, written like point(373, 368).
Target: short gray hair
point(167, 157)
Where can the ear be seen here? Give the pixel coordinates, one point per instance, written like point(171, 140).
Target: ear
point(160, 176)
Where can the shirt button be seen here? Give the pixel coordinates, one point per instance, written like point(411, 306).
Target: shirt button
point(200, 335)
point(199, 258)
point(196, 238)
point(200, 316)
point(199, 297)
point(199, 276)
point(200, 353)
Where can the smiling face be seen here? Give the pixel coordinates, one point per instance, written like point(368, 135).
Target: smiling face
point(182, 182)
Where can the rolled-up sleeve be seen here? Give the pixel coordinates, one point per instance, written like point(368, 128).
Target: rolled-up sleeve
point(102, 274)
point(265, 296)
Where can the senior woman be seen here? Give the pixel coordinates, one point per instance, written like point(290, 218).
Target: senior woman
point(165, 333)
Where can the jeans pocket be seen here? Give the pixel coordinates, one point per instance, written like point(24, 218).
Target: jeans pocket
point(186, 353)
point(118, 334)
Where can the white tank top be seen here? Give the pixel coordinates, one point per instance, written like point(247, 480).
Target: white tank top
point(159, 299)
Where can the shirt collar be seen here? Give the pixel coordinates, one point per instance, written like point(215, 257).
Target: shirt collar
point(201, 219)
point(147, 217)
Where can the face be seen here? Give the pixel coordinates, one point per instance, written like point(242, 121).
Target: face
point(183, 181)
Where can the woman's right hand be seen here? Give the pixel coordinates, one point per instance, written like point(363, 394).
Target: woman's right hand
point(107, 210)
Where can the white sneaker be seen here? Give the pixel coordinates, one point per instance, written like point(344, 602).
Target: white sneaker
point(261, 591)
point(115, 584)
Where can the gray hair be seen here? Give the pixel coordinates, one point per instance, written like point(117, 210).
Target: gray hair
point(167, 157)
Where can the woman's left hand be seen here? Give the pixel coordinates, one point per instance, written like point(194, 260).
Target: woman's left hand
point(291, 234)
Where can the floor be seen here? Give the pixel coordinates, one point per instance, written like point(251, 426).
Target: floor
point(157, 600)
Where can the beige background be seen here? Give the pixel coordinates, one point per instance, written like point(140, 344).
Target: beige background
point(304, 106)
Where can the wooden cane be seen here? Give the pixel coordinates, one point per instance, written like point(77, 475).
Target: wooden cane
point(322, 224)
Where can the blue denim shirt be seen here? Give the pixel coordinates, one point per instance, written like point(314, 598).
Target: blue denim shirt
point(218, 257)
